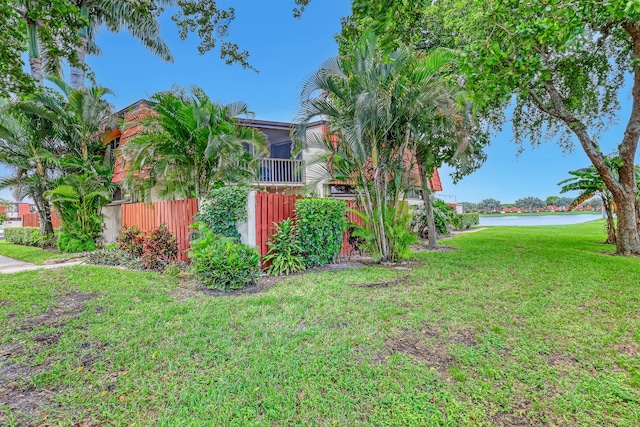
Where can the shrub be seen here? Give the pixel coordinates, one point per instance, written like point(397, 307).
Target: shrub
point(445, 218)
point(70, 243)
point(172, 270)
point(284, 250)
point(397, 230)
point(130, 240)
point(22, 235)
point(320, 224)
point(222, 263)
point(467, 220)
point(159, 248)
point(114, 257)
point(223, 208)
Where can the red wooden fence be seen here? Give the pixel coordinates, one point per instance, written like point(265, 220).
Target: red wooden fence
point(178, 215)
point(270, 209)
point(32, 220)
point(273, 208)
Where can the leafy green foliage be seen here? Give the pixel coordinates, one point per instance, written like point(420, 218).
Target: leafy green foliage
point(131, 240)
point(489, 205)
point(320, 224)
point(189, 145)
point(397, 228)
point(530, 203)
point(27, 236)
point(467, 220)
point(73, 243)
point(444, 215)
point(159, 248)
point(284, 249)
point(221, 263)
point(562, 65)
point(222, 209)
point(114, 257)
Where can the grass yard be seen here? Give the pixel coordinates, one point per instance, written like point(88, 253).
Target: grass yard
point(514, 326)
point(29, 253)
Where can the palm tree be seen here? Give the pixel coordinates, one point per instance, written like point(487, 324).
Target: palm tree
point(589, 183)
point(79, 200)
point(138, 18)
point(188, 143)
point(27, 146)
point(361, 94)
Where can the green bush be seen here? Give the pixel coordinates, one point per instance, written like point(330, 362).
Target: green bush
point(114, 257)
point(467, 220)
point(222, 263)
point(284, 250)
point(29, 236)
point(70, 243)
point(445, 217)
point(223, 208)
point(320, 223)
point(22, 235)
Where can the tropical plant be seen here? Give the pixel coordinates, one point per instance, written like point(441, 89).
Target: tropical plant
point(320, 224)
point(131, 240)
point(28, 146)
point(79, 200)
point(589, 183)
point(222, 263)
point(159, 248)
point(559, 67)
point(189, 144)
point(284, 256)
point(222, 208)
point(361, 94)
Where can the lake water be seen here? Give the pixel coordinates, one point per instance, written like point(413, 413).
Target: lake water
point(528, 220)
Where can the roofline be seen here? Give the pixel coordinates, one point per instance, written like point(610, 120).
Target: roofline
point(270, 124)
point(131, 107)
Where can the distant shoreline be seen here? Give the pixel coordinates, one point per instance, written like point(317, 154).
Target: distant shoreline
point(597, 212)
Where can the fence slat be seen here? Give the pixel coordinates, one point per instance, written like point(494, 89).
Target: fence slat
point(178, 215)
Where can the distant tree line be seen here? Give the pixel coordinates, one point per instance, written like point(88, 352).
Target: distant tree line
point(529, 204)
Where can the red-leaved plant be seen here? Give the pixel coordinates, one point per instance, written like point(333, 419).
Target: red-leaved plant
point(131, 240)
point(159, 248)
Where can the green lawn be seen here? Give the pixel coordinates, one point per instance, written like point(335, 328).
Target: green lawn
point(516, 326)
point(29, 253)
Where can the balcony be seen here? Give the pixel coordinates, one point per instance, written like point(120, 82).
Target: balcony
point(281, 172)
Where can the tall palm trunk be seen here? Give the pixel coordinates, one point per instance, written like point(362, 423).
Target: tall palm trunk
point(428, 205)
point(44, 213)
point(77, 72)
point(35, 61)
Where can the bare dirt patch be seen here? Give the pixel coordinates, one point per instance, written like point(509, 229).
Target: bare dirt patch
point(428, 346)
point(25, 401)
point(628, 349)
point(65, 307)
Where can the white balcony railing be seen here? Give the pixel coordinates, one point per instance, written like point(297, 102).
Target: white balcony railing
point(281, 171)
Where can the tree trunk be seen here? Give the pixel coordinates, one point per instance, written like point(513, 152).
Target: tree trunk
point(35, 62)
point(44, 214)
point(627, 238)
point(77, 73)
point(428, 206)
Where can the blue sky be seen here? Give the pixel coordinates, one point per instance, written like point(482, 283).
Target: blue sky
point(286, 50)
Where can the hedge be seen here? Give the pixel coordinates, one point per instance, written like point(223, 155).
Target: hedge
point(320, 224)
point(27, 236)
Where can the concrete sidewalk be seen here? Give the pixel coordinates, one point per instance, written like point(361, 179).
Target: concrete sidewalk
point(12, 265)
